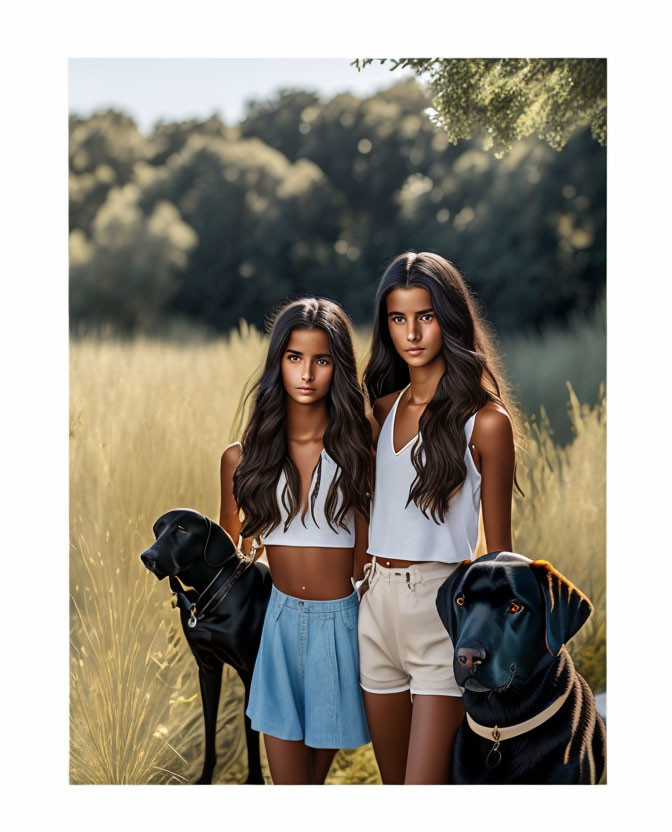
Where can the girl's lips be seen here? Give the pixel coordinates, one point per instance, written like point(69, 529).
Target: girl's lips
point(306, 389)
point(415, 350)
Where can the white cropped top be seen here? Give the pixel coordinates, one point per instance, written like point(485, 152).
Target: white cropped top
point(311, 534)
point(402, 531)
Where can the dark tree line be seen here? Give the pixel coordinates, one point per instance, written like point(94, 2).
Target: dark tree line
point(211, 223)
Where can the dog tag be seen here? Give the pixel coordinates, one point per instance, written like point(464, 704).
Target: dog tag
point(494, 758)
point(192, 618)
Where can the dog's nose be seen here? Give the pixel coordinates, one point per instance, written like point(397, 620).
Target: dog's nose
point(471, 657)
point(147, 560)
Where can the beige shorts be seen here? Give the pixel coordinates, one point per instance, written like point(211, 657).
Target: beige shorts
point(403, 644)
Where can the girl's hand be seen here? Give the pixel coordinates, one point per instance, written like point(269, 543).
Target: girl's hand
point(363, 583)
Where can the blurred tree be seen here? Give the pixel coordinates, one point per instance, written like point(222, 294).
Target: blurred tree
point(127, 271)
point(103, 151)
point(168, 138)
point(262, 224)
point(278, 121)
point(508, 99)
point(530, 230)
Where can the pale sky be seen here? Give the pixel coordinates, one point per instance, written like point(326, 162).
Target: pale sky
point(172, 89)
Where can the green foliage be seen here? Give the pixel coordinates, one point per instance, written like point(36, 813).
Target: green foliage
point(262, 223)
point(104, 149)
point(508, 99)
point(275, 120)
point(529, 229)
point(128, 267)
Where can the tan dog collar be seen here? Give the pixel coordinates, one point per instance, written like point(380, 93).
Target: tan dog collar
point(509, 731)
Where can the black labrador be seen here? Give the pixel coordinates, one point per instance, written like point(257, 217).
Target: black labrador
point(530, 716)
point(222, 612)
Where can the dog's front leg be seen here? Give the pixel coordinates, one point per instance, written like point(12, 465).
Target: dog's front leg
point(254, 775)
point(211, 684)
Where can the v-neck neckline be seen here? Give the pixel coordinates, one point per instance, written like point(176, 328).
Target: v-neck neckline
point(394, 415)
point(304, 508)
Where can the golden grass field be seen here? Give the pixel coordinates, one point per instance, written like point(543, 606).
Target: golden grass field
point(148, 423)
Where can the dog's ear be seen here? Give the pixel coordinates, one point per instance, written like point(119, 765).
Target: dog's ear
point(218, 545)
point(444, 598)
point(567, 608)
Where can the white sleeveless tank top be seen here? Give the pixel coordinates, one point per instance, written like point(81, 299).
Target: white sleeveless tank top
point(402, 531)
point(313, 534)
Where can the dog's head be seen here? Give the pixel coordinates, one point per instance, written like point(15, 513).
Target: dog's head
point(507, 616)
point(183, 537)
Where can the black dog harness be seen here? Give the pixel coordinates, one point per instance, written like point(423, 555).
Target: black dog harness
point(243, 564)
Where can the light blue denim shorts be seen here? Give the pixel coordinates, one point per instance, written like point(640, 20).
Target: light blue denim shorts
point(305, 684)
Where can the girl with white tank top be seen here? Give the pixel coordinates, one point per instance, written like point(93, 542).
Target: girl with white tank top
point(399, 526)
point(312, 528)
point(447, 439)
point(301, 477)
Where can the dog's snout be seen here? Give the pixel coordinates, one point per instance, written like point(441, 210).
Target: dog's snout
point(471, 657)
point(148, 560)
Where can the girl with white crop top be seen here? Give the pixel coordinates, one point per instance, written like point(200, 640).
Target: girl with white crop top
point(444, 454)
point(301, 478)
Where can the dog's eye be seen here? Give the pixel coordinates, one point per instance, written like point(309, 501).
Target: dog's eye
point(515, 607)
point(460, 600)
point(181, 528)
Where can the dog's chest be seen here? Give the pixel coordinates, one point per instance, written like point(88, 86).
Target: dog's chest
point(536, 757)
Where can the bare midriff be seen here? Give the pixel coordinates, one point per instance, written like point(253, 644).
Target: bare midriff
point(313, 573)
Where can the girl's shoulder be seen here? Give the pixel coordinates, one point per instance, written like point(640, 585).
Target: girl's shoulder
point(492, 426)
point(232, 455)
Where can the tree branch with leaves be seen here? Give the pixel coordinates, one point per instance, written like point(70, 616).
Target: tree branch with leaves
point(507, 99)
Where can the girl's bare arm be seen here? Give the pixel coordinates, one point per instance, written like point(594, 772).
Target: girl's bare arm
point(229, 516)
point(494, 455)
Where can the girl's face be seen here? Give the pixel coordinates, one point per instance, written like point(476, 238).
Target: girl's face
point(307, 366)
point(413, 326)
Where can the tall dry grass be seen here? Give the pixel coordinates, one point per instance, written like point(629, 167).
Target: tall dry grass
point(148, 423)
point(562, 518)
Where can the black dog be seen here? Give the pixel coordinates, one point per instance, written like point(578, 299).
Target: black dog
point(222, 614)
point(509, 619)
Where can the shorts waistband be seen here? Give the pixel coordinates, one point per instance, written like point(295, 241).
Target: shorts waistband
point(315, 607)
point(416, 574)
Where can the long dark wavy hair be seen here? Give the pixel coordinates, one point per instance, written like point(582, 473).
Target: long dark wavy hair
point(474, 375)
point(347, 438)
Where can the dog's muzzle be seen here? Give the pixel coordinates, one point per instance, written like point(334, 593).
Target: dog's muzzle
point(470, 658)
point(467, 660)
point(149, 560)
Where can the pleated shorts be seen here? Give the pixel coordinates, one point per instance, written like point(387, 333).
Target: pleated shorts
point(305, 684)
point(402, 641)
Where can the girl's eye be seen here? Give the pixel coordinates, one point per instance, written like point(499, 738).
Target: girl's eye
point(398, 319)
point(292, 357)
point(460, 600)
point(428, 317)
point(324, 362)
point(514, 607)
